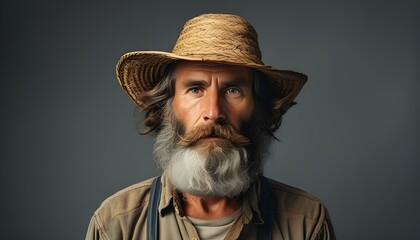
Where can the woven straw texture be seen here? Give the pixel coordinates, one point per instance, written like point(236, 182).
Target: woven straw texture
point(222, 38)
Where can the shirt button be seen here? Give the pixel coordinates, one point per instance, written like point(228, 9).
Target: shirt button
point(194, 238)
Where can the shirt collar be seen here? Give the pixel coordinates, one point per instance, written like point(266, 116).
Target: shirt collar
point(170, 199)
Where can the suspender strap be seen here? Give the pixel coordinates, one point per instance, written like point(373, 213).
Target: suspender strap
point(153, 210)
point(265, 205)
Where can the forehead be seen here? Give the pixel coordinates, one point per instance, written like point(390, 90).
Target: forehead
point(186, 68)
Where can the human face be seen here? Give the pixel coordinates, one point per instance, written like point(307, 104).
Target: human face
point(208, 93)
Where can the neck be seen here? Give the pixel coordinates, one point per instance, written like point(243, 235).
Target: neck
point(209, 208)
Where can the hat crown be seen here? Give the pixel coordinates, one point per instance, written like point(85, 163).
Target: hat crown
point(219, 37)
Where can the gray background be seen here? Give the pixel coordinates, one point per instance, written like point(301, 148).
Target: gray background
point(68, 132)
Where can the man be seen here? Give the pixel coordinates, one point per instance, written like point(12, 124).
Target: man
point(214, 107)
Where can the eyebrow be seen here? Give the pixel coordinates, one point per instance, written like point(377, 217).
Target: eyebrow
point(240, 81)
point(194, 83)
point(234, 82)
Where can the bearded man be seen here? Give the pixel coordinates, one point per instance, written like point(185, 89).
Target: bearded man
point(214, 107)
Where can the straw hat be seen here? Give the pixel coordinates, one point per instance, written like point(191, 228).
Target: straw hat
point(221, 38)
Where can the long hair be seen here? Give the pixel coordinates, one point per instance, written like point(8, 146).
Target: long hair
point(155, 100)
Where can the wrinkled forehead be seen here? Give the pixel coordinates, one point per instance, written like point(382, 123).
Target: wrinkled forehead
point(213, 68)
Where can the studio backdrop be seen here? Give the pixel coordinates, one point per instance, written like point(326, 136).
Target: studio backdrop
point(69, 133)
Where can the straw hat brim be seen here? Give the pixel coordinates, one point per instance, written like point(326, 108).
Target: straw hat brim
point(140, 71)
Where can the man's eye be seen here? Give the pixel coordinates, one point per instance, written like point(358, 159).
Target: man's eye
point(195, 90)
point(232, 91)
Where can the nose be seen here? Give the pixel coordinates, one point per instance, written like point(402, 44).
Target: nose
point(212, 107)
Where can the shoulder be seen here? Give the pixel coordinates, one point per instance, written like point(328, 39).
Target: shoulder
point(296, 201)
point(117, 215)
point(297, 212)
point(125, 201)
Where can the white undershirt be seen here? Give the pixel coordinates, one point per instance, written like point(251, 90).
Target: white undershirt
point(214, 229)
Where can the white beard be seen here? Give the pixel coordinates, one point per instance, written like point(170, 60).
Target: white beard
point(211, 168)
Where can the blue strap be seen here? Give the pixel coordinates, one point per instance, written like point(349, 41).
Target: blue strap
point(265, 205)
point(153, 210)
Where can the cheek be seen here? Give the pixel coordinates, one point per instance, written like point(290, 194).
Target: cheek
point(249, 109)
point(241, 113)
point(186, 112)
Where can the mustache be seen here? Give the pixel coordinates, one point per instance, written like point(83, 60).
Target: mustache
point(224, 131)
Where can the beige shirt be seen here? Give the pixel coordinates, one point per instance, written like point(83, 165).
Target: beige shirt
point(296, 215)
point(215, 229)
